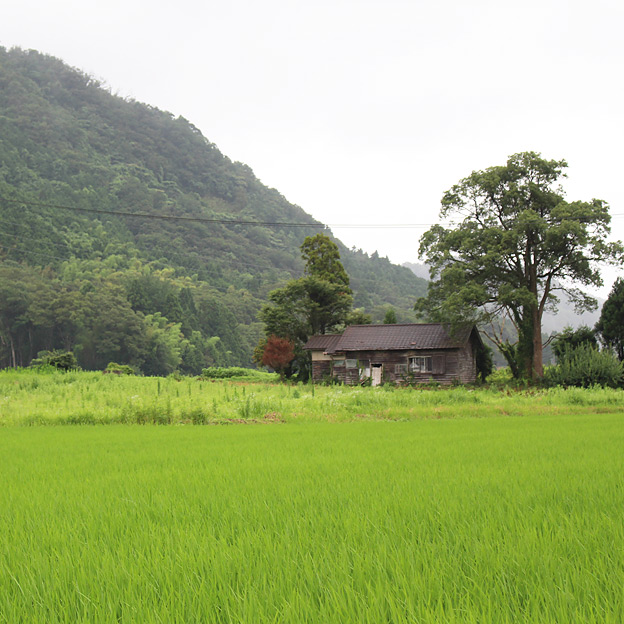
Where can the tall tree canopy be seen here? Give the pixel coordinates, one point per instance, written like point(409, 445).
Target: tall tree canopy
point(610, 326)
point(514, 245)
point(322, 259)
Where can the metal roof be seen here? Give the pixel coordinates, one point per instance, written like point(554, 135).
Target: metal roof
point(391, 337)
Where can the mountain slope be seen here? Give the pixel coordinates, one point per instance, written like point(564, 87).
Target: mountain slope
point(76, 162)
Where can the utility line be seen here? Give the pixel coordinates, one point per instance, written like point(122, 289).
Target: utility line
point(146, 215)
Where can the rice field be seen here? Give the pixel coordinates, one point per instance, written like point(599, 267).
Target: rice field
point(513, 517)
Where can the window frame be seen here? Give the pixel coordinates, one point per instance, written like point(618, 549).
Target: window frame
point(421, 364)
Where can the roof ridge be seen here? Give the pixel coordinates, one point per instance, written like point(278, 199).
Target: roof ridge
point(394, 324)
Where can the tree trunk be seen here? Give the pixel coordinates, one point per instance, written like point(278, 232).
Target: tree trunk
point(538, 366)
point(13, 362)
point(525, 344)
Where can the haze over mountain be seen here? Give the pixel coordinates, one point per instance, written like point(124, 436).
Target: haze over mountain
point(126, 235)
point(552, 321)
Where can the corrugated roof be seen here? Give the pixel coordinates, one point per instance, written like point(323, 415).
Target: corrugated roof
point(325, 342)
point(392, 337)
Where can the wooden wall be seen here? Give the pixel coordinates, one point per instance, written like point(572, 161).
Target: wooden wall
point(448, 365)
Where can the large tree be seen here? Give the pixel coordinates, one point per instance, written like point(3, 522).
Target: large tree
point(304, 307)
point(318, 303)
point(610, 326)
point(514, 243)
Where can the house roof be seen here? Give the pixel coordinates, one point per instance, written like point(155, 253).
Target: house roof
point(391, 337)
point(325, 342)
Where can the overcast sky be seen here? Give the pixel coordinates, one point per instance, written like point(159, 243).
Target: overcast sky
point(364, 112)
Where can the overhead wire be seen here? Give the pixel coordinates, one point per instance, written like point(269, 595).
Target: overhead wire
point(147, 215)
point(163, 217)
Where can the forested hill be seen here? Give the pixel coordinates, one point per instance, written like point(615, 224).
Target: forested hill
point(161, 292)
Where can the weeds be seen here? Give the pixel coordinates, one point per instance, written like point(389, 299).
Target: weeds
point(28, 397)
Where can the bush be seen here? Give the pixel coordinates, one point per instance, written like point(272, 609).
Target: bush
point(218, 372)
point(119, 369)
point(585, 366)
point(235, 372)
point(571, 338)
point(61, 360)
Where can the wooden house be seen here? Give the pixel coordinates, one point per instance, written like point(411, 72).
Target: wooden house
point(402, 353)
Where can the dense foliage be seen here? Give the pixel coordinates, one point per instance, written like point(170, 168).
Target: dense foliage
point(61, 360)
point(571, 338)
point(116, 233)
point(585, 366)
point(278, 353)
point(610, 326)
point(517, 244)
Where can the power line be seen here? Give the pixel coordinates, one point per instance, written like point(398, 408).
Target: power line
point(146, 215)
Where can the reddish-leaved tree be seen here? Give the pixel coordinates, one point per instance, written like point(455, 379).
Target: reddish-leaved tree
point(278, 353)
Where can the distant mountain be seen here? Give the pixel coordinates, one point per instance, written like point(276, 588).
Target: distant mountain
point(417, 268)
point(90, 184)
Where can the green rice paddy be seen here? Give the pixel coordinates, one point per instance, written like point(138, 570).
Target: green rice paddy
point(414, 517)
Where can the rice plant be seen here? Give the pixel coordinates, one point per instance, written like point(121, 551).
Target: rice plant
point(453, 520)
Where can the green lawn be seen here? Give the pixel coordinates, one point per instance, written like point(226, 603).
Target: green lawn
point(453, 520)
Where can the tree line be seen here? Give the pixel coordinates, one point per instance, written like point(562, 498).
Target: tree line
point(105, 312)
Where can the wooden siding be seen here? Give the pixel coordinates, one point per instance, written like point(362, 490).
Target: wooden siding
point(448, 365)
point(321, 369)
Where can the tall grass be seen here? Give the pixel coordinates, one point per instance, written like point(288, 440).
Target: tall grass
point(92, 398)
point(466, 520)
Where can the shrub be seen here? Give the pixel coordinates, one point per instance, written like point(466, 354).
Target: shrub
point(485, 362)
point(61, 360)
point(235, 372)
point(119, 369)
point(571, 338)
point(218, 372)
point(584, 366)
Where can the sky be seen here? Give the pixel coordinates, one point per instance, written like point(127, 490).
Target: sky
point(364, 112)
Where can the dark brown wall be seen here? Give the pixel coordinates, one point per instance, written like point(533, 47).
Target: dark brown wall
point(321, 369)
point(448, 365)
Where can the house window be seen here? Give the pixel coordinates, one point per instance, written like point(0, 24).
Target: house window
point(351, 363)
point(400, 369)
point(421, 364)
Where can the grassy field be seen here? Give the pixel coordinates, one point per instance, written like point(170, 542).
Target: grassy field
point(398, 514)
point(28, 398)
